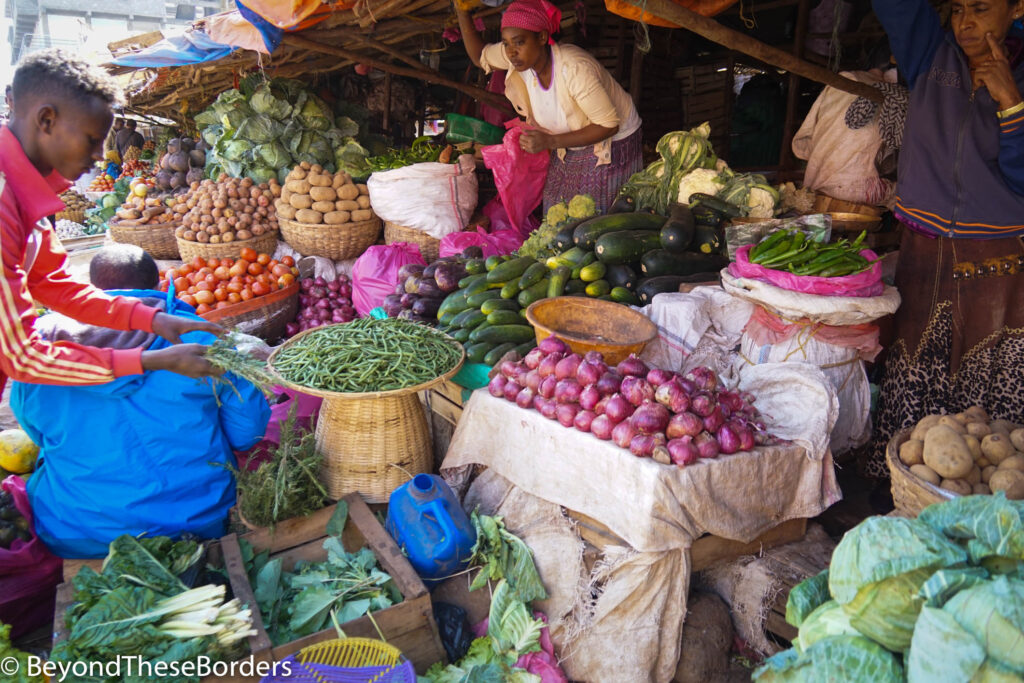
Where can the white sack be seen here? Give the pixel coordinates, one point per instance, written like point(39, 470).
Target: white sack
point(436, 198)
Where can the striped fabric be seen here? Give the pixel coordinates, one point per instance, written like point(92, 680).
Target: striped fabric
point(578, 173)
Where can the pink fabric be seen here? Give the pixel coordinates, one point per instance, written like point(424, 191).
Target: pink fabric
point(767, 329)
point(533, 15)
point(496, 243)
point(543, 663)
point(868, 283)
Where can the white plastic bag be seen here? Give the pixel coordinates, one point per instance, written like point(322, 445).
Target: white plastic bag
point(436, 198)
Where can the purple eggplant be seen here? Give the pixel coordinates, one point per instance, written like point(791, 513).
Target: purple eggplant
point(427, 288)
point(392, 305)
point(410, 270)
point(425, 307)
point(408, 300)
point(448, 275)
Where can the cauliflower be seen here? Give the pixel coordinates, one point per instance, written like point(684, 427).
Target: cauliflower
point(557, 214)
point(761, 203)
point(705, 180)
point(582, 206)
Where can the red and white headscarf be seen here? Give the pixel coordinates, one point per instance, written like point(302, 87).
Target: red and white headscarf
point(533, 15)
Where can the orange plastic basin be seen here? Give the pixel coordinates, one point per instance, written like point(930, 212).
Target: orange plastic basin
point(616, 330)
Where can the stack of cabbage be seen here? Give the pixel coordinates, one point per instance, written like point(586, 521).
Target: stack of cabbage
point(938, 598)
point(263, 129)
point(688, 165)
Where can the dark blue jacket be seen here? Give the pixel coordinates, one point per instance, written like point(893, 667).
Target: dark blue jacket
point(142, 454)
point(961, 171)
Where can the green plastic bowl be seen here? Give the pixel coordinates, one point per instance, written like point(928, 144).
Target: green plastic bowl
point(459, 128)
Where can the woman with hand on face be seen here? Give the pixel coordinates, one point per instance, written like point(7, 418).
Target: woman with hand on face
point(577, 110)
point(960, 330)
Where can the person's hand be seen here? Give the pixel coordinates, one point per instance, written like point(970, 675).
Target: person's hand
point(995, 74)
point(184, 359)
point(534, 141)
point(171, 327)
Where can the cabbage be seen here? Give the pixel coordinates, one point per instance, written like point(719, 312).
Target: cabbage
point(346, 127)
point(829, 619)
point(838, 659)
point(886, 610)
point(211, 134)
point(945, 583)
point(263, 102)
point(987, 526)
point(274, 155)
point(805, 597)
point(259, 128)
point(942, 650)
point(236, 150)
point(993, 613)
point(312, 112)
point(321, 149)
point(261, 174)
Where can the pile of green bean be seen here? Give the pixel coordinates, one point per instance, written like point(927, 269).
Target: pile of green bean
point(367, 355)
point(797, 254)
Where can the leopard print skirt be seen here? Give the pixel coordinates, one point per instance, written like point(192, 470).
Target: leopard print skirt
point(959, 335)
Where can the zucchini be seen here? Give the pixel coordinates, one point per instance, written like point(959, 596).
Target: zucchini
point(481, 285)
point(720, 205)
point(526, 347)
point(469, 319)
point(575, 287)
point(559, 278)
point(510, 289)
point(678, 231)
point(707, 240)
point(492, 305)
point(593, 272)
point(510, 270)
point(470, 280)
point(534, 274)
point(461, 336)
point(624, 296)
point(563, 240)
point(705, 215)
point(626, 246)
point(499, 334)
point(477, 300)
point(589, 231)
point(476, 266)
point(622, 204)
point(621, 276)
point(496, 354)
point(475, 353)
point(535, 293)
point(574, 256)
point(599, 288)
point(506, 318)
point(587, 259)
point(660, 262)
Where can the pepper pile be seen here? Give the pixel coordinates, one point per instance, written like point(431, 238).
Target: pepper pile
point(422, 150)
point(792, 251)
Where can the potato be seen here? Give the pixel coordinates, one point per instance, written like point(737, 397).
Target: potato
point(347, 192)
point(301, 201)
point(997, 447)
point(305, 165)
point(322, 194)
point(298, 186)
point(924, 425)
point(297, 173)
point(286, 194)
point(974, 476)
point(926, 473)
point(1014, 462)
point(323, 207)
point(337, 217)
point(946, 453)
point(912, 452)
point(957, 486)
point(978, 429)
point(973, 445)
point(1017, 439)
point(962, 418)
point(320, 180)
point(243, 235)
point(987, 472)
point(977, 414)
point(363, 201)
point(361, 215)
point(1005, 426)
point(952, 423)
point(341, 178)
point(363, 189)
point(286, 211)
point(346, 205)
point(982, 462)
point(1010, 482)
point(309, 216)
point(981, 490)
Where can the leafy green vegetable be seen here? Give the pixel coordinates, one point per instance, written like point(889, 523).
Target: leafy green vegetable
point(8, 652)
point(829, 619)
point(806, 597)
point(503, 555)
point(264, 102)
point(846, 659)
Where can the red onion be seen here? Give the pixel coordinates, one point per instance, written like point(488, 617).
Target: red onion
point(593, 357)
point(688, 386)
point(320, 282)
point(609, 383)
point(512, 389)
point(707, 446)
point(548, 365)
point(547, 386)
point(567, 366)
point(657, 376)
point(533, 358)
point(683, 452)
point(636, 390)
point(589, 373)
point(672, 396)
point(714, 421)
point(333, 286)
point(623, 434)
point(538, 401)
point(632, 366)
point(566, 414)
point(661, 455)
point(589, 397)
point(702, 404)
point(601, 427)
point(650, 418)
point(746, 437)
point(683, 425)
point(507, 368)
point(553, 345)
point(568, 390)
point(532, 379)
point(599, 408)
point(524, 399)
point(548, 409)
point(291, 329)
point(642, 446)
point(322, 303)
point(318, 292)
point(520, 372)
point(730, 399)
point(704, 378)
point(306, 284)
point(617, 409)
point(728, 441)
point(583, 420)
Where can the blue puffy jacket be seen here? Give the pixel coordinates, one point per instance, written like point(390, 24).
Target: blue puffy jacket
point(142, 454)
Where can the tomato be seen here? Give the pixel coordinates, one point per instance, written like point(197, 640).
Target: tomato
point(255, 268)
point(204, 271)
point(203, 308)
point(170, 274)
point(205, 297)
point(239, 268)
point(249, 254)
point(263, 259)
point(249, 279)
point(246, 294)
point(260, 288)
point(213, 262)
point(185, 269)
point(288, 261)
point(222, 273)
point(234, 287)
point(228, 262)
point(285, 280)
point(234, 297)
point(204, 286)
point(198, 262)
point(181, 284)
point(188, 299)
point(280, 269)
point(212, 279)
point(220, 294)
point(164, 286)
point(295, 272)
point(222, 304)
point(264, 278)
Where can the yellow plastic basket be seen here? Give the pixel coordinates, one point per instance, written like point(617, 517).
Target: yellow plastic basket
point(348, 660)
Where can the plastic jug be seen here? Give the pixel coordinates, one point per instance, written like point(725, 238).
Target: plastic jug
point(429, 524)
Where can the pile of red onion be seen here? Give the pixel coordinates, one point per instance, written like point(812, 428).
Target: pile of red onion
point(322, 303)
point(655, 413)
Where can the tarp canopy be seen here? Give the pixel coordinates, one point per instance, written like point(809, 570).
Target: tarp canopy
point(191, 47)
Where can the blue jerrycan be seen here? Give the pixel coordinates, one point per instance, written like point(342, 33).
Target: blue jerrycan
point(429, 524)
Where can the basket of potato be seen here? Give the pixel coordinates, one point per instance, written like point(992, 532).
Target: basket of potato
point(75, 206)
point(219, 218)
point(326, 214)
point(149, 223)
point(944, 456)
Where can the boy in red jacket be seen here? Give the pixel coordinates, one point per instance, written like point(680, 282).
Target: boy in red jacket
point(62, 111)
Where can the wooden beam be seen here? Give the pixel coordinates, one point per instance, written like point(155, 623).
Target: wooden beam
point(734, 40)
point(786, 158)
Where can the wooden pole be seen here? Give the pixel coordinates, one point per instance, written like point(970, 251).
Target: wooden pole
point(734, 40)
point(793, 91)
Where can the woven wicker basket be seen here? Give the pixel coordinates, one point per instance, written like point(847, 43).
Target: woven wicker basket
point(157, 239)
point(263, 244)
point(910, 493)
point(430, 247)
point(76, 216)
point(264, 317)
point(371, 442)
point(336, 242)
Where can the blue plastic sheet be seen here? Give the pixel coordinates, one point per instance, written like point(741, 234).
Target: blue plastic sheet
point(191, 47)
point(271, 34)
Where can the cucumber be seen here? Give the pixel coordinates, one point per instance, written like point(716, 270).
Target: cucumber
point(574, 256)
point(461, 336)
point(468, 319)
point(588, 232)
point(624, 296)
point(599, 288)
point(510, 289)
point(492, 305)
point(575, 287)
point(446, 317)
point(720, 205)
point(626, 246)
point(499, 334)
point(492, 262)
point(678, 231)
point(476, 266)
point(475, 353)
point(477, 300)
point(534, 274)
point(505, 318)
point(454, 303)
point(481, 285)
point(587, 259)
point(563, 240)
point(496, 354)
point(707, 240)
point(469, 280)
point(510, 270)
point(535, 293)
point(593, 272)
point(526, 347)
point(621, 276)
point(660, 262)
point(559, 278)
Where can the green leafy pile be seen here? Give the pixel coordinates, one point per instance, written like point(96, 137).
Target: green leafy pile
point(940, 597)
point(316, 594)
point(9, 653)
point(265, 128)
point(502, 555)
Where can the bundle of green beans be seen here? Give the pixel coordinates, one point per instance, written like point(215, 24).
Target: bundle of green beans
point(367, 355)
point(792, 251)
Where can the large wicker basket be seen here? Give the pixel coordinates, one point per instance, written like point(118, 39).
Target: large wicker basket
point(336, 242)
point(263, 244)
point(910, 493)
point(157, 239)
point(264, 317)
point(430, 247)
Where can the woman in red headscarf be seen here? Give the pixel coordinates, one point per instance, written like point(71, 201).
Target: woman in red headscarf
point(578, 110)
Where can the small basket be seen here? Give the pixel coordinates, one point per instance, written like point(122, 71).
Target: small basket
point(263, 244)
point(76, 216)
point(430, 247)
point(336, 242)
point(348, 660)
point(157, 239)
point(264, 317)
point(910, 493)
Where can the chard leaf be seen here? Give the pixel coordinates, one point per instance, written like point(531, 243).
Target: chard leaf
point(311, 609)
point(353, 610)
point(336, 524)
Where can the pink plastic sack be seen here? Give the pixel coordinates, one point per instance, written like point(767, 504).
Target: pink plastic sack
point(306, 409)
point(375, 273)
point(767, 329)
point(544, 663)
point(497, 243)
point(498, 218)
point(868, 283)
point(518, 175)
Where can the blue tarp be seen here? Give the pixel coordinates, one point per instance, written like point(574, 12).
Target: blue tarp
point(271, 34)
point(192, 47)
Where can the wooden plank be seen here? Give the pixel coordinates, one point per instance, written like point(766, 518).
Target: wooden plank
point(65, 596)
point(450, 390)
point(259, 644)
point(291, 532)
point(708, 550)
point(72, 565)
point(446, 409)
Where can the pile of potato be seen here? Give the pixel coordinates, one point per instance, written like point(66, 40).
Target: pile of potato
point(312, 195)
point(74, 202)
point(228, 210)
point(968, 453)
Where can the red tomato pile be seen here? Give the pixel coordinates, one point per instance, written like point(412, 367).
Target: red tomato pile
point(210, 284)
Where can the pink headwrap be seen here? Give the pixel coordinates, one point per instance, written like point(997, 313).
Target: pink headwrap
point(533, 15)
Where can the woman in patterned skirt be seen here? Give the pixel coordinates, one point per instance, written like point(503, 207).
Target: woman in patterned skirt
point(960, 197)
point(577, 109)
